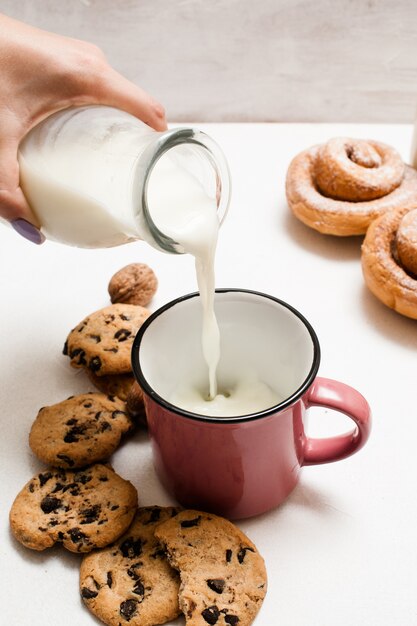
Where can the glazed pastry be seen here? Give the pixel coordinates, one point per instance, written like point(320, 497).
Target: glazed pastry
point(389, 260)
point(340, 187)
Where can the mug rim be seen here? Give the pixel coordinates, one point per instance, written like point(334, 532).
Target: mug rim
point(277, 408)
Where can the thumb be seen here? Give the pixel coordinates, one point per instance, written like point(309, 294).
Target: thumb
point(13, 205)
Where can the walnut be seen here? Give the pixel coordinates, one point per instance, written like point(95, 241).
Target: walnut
point(134, 284)
point(135, 405)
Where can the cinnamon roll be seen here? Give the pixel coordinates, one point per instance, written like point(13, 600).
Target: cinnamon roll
point(389, 260)
point(341, 186)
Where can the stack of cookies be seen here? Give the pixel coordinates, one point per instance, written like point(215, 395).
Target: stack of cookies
point(102, 342)
point(78, 501)
point(101, 345)
point(141, 566)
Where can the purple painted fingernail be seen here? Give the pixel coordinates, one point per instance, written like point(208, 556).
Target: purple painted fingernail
point(28, 231)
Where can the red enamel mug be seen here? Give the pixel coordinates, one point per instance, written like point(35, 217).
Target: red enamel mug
point(247, 464)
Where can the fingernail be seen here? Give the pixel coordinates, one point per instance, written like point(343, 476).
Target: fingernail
point(28, 231)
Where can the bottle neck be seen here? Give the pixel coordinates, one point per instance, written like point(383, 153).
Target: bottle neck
point(193, 153)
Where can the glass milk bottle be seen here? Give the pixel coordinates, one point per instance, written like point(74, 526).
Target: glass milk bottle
point(98, 177)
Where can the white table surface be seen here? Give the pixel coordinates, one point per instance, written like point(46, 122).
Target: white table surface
point(342, 550)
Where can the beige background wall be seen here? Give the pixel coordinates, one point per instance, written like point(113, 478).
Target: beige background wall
point(242, 60)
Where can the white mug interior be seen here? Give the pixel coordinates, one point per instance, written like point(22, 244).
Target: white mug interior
point(259, 334)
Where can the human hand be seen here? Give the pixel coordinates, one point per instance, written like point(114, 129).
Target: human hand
point(43, 73)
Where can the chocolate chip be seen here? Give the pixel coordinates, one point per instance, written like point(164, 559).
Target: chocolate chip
point(43, 478)
point(242, 553)
point(78, 352)
point(158, 554)
point(114, 507)
point(72, 435)
point(103, 479)
point(132, 573)
point(188, 523)
point(82, 478)
point(50, 504)
point(154, 516)
point(124, 317)
point(58, 487)
point(97, 415)
point(53, 522)
point(109, 318)
point(105, 426)
point(76, 535)
point(32, 487)
point(87, 594)
point(139, 589)
point(71, 422)
point(61, 535)
point(131, 548)
point(91, 514)
point(211, 614)
point(228, 556)
point(73, 488)
point(115, 349)
point(65, 349)
point(216, 584)
point(109, 579)
point(122, 334)
point(191, 608)
point(231, 619)
point(87, 405)
point(95, 364)
point(66, 459)
point(96, 338)
point(128, 609)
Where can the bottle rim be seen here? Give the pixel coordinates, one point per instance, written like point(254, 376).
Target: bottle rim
point(146, 163)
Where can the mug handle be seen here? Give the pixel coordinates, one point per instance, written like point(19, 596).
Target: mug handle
point(335, 395)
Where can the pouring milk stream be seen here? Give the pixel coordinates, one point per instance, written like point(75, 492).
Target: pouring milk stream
point(98, 177)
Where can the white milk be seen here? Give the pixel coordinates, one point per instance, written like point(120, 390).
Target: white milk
point(181, 208)
point(90, 225)
point(246, 395)
point(77, 170)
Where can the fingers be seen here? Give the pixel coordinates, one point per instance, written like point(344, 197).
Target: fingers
point(13, 205)
point(115, 90)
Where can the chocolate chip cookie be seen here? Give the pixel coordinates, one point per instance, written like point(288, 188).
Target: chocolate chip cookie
point(223, 576)
point(79, 431)
point(102, 342)
point(131, 582)
point(114, 384)
point(82, 510)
